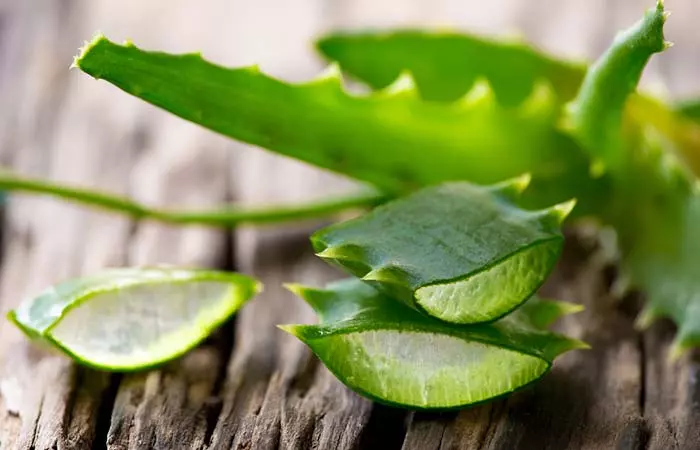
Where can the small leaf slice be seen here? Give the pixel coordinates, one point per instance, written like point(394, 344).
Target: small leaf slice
point(130, 319)
point(460, 252)
point(395, 355)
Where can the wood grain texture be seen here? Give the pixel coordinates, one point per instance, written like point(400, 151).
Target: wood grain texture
point(251, 386)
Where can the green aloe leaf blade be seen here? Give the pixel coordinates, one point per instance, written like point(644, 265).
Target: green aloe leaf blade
point(596, 114)
point(654, 203)
point(447, 64)
point(391, 139)
point(395, 355)
point(130, 319)
point(460, 252)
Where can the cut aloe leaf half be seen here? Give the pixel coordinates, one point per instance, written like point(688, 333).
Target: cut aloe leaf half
point(393, 354)
point(459, 252)
point(130, 319)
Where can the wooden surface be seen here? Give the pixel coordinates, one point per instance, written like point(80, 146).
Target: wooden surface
point(251, 386)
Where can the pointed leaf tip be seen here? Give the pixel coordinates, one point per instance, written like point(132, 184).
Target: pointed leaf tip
point(85, 50)
point(480, 93)
point(295, 288)
point(677, 350)
point(403, 86)
point(562, 210)
point(646, 317)
point(513, 187)
point(541, 101)
point(291, 329)
point(384, 274)
point(331, 76)
point(335, 252)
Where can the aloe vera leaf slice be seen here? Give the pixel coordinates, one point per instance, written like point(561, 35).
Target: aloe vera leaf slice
point(131, 319)
point(391, 138)
point(459, 252)
point(395, 355)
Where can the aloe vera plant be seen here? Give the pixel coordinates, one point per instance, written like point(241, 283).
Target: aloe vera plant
point(447, 267)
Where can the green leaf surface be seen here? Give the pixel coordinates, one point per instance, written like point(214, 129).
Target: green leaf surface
point(596, 115)
point(391, 139)
point(446, 65)
point(460, 252)
point(130, 319)
point(392, 354)
point(690, 109)
point(655, 206)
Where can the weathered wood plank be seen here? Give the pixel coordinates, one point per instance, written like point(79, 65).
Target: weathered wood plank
point(170, 407)
point(47, 134)
point(263, 389)
point(276, 394)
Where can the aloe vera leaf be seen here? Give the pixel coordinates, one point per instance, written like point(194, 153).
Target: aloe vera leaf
point(447, 64)
point(655, 203)
point(596, 114)
point(392, 354)
point(391, 139)
point(459, 252)
point(130, 319)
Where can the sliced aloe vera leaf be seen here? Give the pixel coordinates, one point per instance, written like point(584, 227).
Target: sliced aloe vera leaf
point(395, 355)
point(447, 64)
point(459, 252)
point(130, 319)
point(390, 138)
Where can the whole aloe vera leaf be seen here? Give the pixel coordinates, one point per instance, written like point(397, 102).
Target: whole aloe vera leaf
point(654, 203)
point(391, 139)
point(392, 354)
point(596, 115)
point(459, 252)
point(446, 64)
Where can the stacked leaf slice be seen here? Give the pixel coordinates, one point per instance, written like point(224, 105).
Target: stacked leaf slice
point(442, 314)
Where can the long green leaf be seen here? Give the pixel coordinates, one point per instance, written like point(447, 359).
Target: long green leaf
point(391, 139)
point(446, 65)
point(392, 354)
point(460, 252)
point(655, 206)
point(596, 114)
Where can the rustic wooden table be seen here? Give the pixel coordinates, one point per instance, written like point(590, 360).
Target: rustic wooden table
point(252, 386)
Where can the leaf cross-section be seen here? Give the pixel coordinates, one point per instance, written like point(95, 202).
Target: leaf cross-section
point(460, 252)
point(392, 354)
